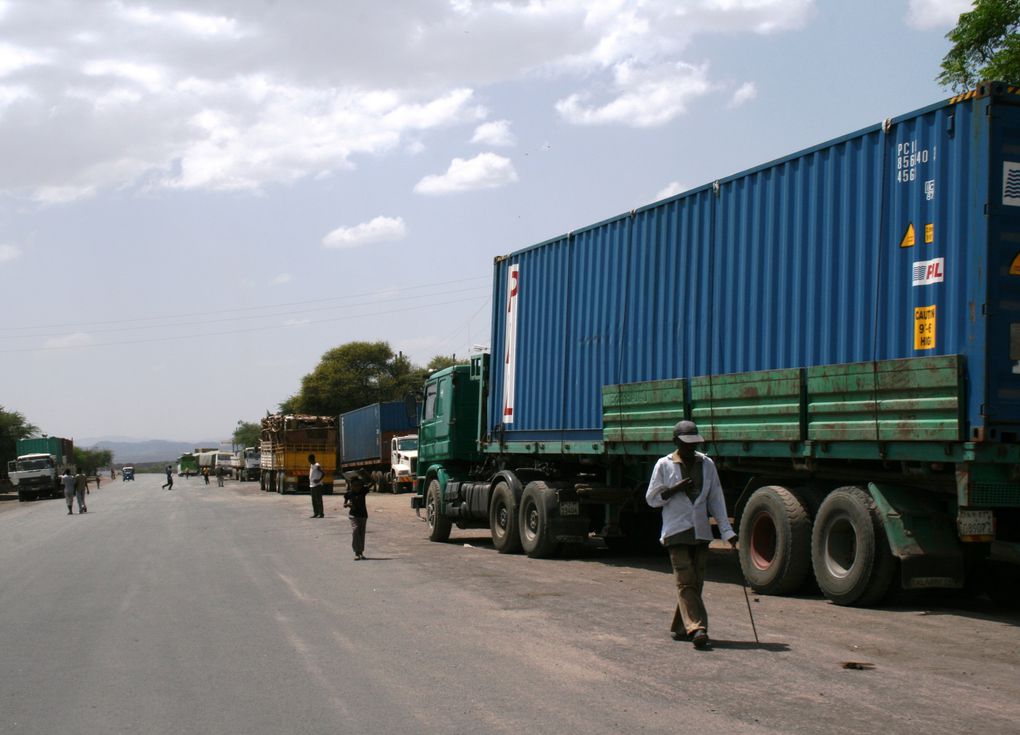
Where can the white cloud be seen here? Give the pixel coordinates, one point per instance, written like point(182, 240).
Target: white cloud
point(495, 133)
point(182, 21)
point(926, 15)
point(241, 96)
point(671, 189)
point(14, 58)
point(9, 253)
point(282, 279)
point(379, 229)
point(484, 171)
point(744, 93)
point(645, 96)
point(78, 339)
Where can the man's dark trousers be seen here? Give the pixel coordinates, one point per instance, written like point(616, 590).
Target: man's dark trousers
point(316, 491)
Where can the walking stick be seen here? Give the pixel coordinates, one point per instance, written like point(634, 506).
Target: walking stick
point(747, 599)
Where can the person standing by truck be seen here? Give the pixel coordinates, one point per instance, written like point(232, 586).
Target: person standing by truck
point(685, 484)
point(354, 499)
point(68, 482)
point(80, 486)
point(315, 475)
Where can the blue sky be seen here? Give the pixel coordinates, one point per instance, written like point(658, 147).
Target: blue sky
point(198, 199)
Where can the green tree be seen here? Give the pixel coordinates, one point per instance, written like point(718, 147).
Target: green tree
point(13, 426)
point(90, 460)
point(439, 362)
point(247, 434)
point(985, 46)
point(354, 375)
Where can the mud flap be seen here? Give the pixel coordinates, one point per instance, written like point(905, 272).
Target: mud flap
point(922, 535)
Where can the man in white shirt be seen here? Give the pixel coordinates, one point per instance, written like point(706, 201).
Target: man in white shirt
point(315, 475)
point(686, 486)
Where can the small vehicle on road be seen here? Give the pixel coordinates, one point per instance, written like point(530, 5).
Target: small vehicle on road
point(127, 473)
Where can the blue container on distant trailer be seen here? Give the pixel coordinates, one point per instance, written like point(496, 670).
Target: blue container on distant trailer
point(363, 431)
point(899, 240)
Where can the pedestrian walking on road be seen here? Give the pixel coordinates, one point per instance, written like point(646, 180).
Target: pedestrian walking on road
point(97, 479)
point(80, 486)
point(68, 482)
point(685, 484)
point(205, 474)
point(219, 476)
point(354, 499)
point(169, 485)
point(315, 475)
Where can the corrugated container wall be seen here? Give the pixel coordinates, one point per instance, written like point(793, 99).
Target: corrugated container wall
point(362, 430)
point(873, 246)
point(55, 445)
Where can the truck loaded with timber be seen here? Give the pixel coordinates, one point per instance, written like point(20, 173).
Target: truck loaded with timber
point(287, 440)
point(842, 323)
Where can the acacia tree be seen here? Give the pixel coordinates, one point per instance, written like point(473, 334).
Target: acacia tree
point(354, 375)
point(13, 426)
point(247, 434)
point(986, 45)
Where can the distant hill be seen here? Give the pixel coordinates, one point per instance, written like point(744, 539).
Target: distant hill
point(152, 450)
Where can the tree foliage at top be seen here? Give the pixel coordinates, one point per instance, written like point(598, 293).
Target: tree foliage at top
point(90, 460)
point(986, 46)
point(13, 426)
point(247, 434)
point(354, 375)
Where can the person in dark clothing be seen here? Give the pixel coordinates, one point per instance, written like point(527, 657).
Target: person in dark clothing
point(354, 500)
point(205, 474)
point(169, 478)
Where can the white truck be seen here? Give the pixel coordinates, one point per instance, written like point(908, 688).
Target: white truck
point(40, 463)
point(403, 462)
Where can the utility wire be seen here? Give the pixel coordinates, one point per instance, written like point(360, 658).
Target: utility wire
point(400, 297)
point(183, 315)
point(261, 328)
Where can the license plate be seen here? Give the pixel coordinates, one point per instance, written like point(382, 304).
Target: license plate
point(976, 525)
point(570, 508)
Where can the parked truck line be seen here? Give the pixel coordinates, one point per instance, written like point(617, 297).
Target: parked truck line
point(842, 324)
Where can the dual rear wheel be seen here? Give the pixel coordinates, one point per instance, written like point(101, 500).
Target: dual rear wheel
point(845, 546)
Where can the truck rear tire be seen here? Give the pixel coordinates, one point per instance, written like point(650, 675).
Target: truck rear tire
point(503, 520)
point(23, 497)
point(775, 535)
point(439, 525)
point(538, 504)
point(850, 555)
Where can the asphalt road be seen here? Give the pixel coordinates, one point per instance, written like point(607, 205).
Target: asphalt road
point(227, 610)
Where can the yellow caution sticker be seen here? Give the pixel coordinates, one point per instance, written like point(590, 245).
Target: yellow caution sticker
point(1014, 269)
point(908, 237)
point(929, 234)
point(924, 327)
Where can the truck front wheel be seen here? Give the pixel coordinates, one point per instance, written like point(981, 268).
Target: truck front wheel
point(775, 533)
point(852, 561)
point(537, 507)
point(439, 525)
point(503, 520)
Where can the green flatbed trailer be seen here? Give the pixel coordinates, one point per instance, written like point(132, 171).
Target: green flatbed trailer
point(859, 475)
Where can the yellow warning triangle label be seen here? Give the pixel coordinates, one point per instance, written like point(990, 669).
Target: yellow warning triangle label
point(908, 238)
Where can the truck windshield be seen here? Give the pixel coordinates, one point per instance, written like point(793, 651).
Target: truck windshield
point(407, 445)
point(25, 465)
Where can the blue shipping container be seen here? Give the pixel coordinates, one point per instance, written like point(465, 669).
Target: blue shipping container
point(364, 431)
point(899, 240)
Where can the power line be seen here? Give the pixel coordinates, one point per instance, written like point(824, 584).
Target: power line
point(202, 322)
point(262, 328)
point(431, 285)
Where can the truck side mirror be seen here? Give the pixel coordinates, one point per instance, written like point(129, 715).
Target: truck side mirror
point(411, 408)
